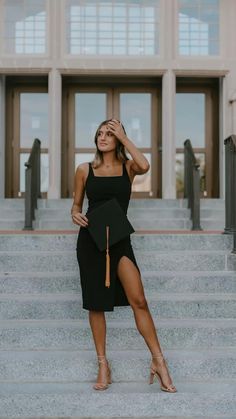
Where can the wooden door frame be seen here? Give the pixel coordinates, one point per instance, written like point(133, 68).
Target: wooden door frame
point(68, 131)
point(13, 149)
point(211, 131)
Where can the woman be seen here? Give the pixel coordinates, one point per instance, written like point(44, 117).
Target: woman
point(111, 175)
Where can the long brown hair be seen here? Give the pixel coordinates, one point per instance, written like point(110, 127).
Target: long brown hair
point(120, 149)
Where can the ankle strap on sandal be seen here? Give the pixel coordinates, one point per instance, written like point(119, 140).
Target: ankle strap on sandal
point(158, 355)
point(102, 359)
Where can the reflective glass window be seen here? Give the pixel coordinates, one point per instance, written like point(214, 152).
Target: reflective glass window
point(112, 28)
point(25, 26)
point(199, 27)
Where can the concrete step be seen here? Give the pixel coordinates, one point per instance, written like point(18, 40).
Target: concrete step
point(76, 334)
point(136, 213)
point(214, 203)
point(164, 306)
point(138, 203)
point(147, 242)
point(213, 224)
point(80, 366)
point(12, 203)
point(63, 282)
point(74, 400)
point(133, 213)
point(11, 214)
point(138, 224)
point(61, 261)
point(158, 224)
point(134, 203)
point(10, 225)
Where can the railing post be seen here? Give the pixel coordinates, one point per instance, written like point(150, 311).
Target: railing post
point(192, 184)
point(233, 190)
point(230, 188)
point(234, 248)
point(28, 200)
point(228, 185)
point(32, 184)
point(186, 172)
point(38, 166)
point(196, 198)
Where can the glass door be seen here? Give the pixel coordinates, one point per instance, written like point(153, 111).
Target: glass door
point(27, 120)
point(197, 119)
point(87, 107)
point(138, 111)
point(84, 110)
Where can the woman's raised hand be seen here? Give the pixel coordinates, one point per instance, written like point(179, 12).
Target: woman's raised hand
point(79, 219)
point(116, 128)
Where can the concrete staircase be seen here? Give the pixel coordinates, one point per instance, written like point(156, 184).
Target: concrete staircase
point(153, 214)
point(47, 357)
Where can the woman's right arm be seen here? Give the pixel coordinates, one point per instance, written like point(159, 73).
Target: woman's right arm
point(79, 191)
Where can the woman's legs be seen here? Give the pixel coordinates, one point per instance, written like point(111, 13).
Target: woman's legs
point(98, 326)
point(132, 284)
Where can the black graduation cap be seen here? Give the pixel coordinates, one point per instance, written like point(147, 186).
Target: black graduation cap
point(108, 224)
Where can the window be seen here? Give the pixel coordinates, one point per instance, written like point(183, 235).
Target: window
point(25, 26)
point(199, 27)
point(112, 27)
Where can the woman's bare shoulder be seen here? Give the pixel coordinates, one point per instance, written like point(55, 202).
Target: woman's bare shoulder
point(82, 170)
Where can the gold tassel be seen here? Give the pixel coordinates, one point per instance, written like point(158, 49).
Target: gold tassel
point(107, 282)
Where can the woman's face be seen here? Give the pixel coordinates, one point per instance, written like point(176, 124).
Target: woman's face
point(106, 141)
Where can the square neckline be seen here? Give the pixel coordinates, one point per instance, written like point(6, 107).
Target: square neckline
point(108, 176)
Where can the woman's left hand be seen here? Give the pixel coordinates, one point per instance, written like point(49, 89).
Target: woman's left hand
point(116, 128)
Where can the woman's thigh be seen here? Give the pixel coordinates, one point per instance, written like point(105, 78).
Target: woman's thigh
point(131, 281)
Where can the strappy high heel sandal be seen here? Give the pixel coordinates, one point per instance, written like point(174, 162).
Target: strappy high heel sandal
point(103, 386)
point(153, 372)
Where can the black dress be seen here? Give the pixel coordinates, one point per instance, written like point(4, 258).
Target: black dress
point(92, 262)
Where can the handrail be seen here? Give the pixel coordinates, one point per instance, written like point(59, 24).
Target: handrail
point(32, 184)
point(192, 184)
point(230, 187)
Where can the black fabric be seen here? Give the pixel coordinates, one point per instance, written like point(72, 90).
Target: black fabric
point(92, 261)
point(112, 215)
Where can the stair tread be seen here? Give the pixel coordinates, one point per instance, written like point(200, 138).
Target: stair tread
point(125, 354)
point(165, 322)
point(186, 386)
point(151, 296)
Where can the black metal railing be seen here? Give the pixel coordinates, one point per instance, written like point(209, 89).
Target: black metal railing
point(32, 184)
point(192, 184)
point(230, 187)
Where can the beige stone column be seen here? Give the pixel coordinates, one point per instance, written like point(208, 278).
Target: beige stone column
point(2, 136)
point(168, 136)
point(55, 99)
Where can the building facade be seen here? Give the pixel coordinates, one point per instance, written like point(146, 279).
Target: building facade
point(166, 68)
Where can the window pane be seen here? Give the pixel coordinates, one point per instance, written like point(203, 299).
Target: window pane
point(198, 21)
point(179, 168)
point(190, 119)
point(25, 26)
point(135, 111)
point(44, 171)
point(90, 111)
point(142, 183)
point(33, 119)
point(83, 158)
point(96, 22)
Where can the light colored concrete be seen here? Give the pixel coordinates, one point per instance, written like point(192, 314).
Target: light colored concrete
point(55, 103)
point(168, 129)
